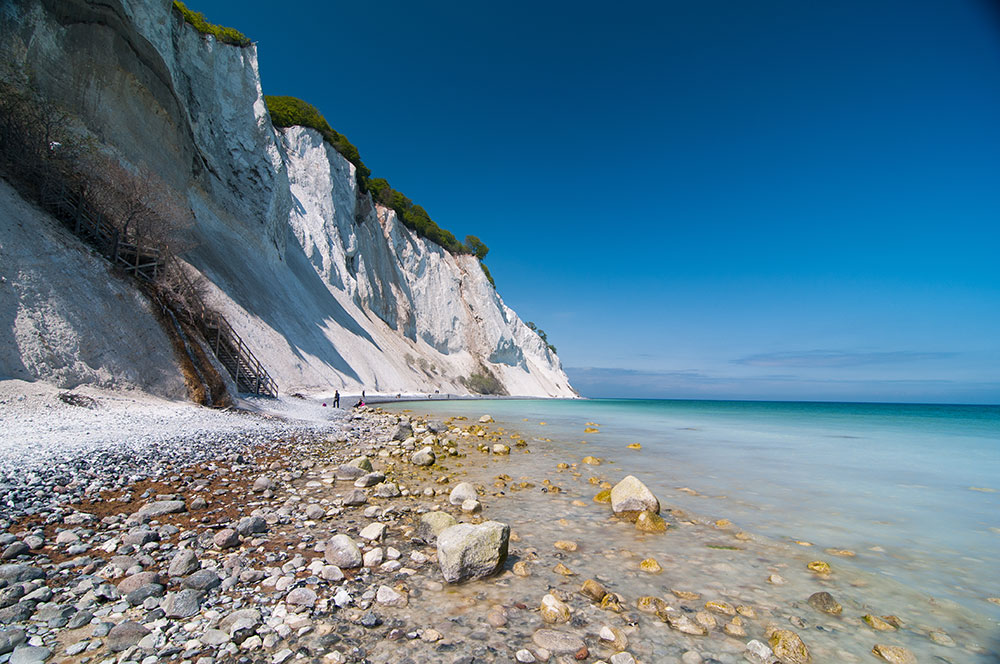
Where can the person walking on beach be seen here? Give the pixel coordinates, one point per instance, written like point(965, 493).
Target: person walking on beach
point(336, 398)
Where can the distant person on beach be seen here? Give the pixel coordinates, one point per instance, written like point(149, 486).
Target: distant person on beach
point(362, 395)
point(336, 398)
point(360, 403)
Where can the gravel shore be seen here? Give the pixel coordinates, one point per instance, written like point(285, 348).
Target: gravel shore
point(304, 533)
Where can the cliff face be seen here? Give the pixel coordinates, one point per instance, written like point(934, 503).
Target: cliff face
point(328, 289)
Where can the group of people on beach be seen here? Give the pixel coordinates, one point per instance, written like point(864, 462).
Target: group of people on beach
point(336, 399)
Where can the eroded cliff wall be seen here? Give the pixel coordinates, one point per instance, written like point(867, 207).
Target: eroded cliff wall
point(329, 290)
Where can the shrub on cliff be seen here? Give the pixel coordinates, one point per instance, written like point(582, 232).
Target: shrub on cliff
point(291, 112)
point(198, 21)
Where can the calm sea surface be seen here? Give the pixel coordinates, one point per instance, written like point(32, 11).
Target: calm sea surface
point(914, 489)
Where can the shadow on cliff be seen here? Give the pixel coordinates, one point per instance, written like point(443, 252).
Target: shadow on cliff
point(291, 298)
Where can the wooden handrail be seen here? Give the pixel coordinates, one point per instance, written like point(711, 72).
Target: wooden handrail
point(84, 221)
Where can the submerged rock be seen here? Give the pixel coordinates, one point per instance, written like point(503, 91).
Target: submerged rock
point(878, 624)
point(467, 551)
point(630, 497)
point(554, 610)
point(648, 522)
point(788, 647)
point(558, 642)
point(894, 654)
point(824, 601)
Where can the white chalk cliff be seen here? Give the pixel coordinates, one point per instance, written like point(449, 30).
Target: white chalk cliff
point(329, 290)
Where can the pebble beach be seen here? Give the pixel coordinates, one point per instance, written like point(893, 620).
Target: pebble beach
point(305, 533)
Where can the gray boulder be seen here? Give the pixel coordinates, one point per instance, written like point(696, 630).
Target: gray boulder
point(183, 604)
point(433, 524)
point(467, 551)
point(462, 492)
point(10, 639)
point(369, 479)
point(183, 563)
point(630, 497)
point(158, 509)
point(125, 635)
point(343, 552)
point(251, 525)
point(355, 497)
point(423, 457)
point(557, 642)
point(403, 431)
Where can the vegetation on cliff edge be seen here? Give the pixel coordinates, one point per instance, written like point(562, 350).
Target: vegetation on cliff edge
point(201, 24)
point(291, 111)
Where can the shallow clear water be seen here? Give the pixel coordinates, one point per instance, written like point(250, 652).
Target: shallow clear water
point(914, 490)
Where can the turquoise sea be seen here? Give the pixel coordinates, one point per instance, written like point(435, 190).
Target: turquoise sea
point(914, 490)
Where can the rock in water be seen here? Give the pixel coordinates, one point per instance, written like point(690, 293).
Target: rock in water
point(462, 492)
point(343, 552)
point(554, 610)
point(894, 654)
point(361, 462)
point(433, 524)
point(558, 642)
point(824, 601)
point(789, 648)
point(467, 551)
point(648, 522)
point(630, 497)
point(757, 653)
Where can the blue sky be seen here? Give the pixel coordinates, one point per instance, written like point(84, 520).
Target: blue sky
point(767, 200)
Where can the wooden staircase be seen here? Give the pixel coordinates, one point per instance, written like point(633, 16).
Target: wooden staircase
point(148, 264)
point(91, 226)
point(244, 367)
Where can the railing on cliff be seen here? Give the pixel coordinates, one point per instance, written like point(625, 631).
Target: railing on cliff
point(246, 370)
point(144, 262)
point(148, 264)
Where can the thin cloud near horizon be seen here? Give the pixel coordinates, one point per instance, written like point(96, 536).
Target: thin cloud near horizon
point(834, 358)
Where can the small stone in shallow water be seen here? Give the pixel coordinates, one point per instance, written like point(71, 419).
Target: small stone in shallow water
point(562, 569)
point(878, 624)
point(557, 641)
point(819, 567)
point(553, 610)
point(603, 496)
point(591, 461)
point(941, 639)
point(651, 566)
point(565, 545)
point(634, 446)
point(776, 579)
point(463, 491)
point(894, 654)
point(758, 653)
point(520, 568)
point(788, 647)
point(648, 522)
point(824, 601)
point(722, 608)
point(843, 553)
point(685, 594)
point(593, 590)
